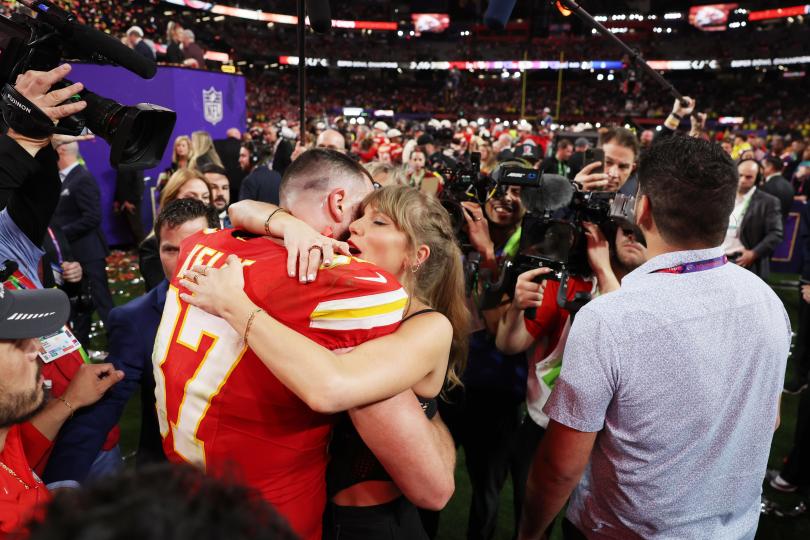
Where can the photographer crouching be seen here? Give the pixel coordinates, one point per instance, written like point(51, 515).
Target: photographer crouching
point(29, 424)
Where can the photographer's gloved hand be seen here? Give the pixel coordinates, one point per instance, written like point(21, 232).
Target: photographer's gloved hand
point(529, 294)
point(35, 86)
point(599, 258)
point(592, 181)
point(478, 232)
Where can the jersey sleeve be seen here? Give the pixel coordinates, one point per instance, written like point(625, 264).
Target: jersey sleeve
point(350, 302)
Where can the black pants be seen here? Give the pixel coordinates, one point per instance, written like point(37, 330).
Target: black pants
point(397, 520)
point(801, 354)
point(96, 272)
point(797, 468)
point(528, 438)
point(486, 424)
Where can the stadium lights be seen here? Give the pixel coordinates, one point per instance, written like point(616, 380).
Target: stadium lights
point(673, 16)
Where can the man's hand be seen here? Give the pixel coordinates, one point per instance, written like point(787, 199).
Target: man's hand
point(698, 125)
point(682, 111)
point(478, 229)
point(71, 271)
point(529, 294)
point(592, 181)
point(805, 289)
point(35, 86)
point(90, 383)
point(747, 258)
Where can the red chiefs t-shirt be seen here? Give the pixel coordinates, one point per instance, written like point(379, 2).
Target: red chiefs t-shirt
point(220, 408)
point(62, 370)
point(22, 494)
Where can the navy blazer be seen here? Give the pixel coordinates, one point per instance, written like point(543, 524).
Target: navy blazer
point(132, 330)
point(78, 214)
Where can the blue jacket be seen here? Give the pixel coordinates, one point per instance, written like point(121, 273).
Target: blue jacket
point(131, 332)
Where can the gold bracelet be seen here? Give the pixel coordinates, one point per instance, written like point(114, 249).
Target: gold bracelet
point(267, 221)
point(250, 323)
point(67, 404)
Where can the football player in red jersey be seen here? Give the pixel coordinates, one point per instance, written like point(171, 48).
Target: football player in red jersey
point(407, 234)
point(218, 405)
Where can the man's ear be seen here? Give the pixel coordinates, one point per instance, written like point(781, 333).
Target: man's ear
point(337, 205)
point(643, 212)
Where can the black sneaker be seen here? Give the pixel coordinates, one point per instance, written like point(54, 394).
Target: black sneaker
point(796, 386)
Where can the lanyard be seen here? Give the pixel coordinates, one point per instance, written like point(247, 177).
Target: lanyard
point(698, 266)
point(59, 257)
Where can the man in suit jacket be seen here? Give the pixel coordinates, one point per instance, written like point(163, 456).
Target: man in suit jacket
point(777, 185)
point(262, 184)
point(755, 227)
point(132, 330)
point(136, 42)
point(228, 150)
point(78, 214)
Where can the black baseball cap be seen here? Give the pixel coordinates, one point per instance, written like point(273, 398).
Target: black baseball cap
point(32, 313)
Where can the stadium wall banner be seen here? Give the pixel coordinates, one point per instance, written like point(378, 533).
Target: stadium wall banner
point(203, 100)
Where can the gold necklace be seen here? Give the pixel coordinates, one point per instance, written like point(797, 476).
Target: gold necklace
point(12, 473)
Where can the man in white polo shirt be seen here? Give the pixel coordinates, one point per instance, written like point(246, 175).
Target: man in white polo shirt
point(669, 386)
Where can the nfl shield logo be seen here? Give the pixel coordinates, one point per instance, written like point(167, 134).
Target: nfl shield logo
point(212, 106)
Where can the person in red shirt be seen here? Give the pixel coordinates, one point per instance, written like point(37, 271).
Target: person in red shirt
point(28, 421)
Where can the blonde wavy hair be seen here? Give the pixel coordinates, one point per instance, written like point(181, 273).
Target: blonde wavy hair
point(439, 281)
point(202, 145)
point(177, 181)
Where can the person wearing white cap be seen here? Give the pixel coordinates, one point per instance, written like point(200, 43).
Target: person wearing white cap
point(135, 41)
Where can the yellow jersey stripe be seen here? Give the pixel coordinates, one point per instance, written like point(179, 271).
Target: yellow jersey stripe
point(358, 302)
point(360, 312)
point(364, 323)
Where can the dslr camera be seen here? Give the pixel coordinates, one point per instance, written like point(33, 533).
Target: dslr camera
point(137, 135)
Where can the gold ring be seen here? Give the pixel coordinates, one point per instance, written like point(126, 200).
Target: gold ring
point(194, 278)
point(204, 271)
point(316, 247)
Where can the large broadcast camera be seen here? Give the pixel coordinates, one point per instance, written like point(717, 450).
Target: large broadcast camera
point(553, 235)
point(137, 135)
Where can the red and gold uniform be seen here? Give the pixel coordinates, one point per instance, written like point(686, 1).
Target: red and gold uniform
point(220, 408)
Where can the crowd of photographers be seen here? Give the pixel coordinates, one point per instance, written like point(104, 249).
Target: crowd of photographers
point(531, 269)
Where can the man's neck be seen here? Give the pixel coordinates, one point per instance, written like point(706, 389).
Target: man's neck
point(63, 166)
point(658, 246)
point(3, 433)
point(741, 193)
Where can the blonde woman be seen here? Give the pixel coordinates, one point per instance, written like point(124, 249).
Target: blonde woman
point(407, 234)
point(202, 151)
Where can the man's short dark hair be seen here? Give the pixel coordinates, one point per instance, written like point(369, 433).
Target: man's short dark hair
point(314, 169)
point(161, 502)
point(213, 168)
point(622, 137)
point(691, 184)
point(564, 143)
point(180, 211)
point(774, 162)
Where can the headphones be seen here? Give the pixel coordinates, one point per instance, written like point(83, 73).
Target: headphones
point(760, 175)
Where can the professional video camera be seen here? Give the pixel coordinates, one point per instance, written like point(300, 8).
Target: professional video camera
point(137, 135)
point(552, 232)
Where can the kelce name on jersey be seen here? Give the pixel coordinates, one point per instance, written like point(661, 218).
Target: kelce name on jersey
point(208, 256)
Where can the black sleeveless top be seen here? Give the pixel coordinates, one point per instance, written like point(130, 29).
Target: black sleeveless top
point(351, 460)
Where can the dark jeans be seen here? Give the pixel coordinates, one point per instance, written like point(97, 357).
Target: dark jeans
point(797, 468)
point(528, 438)
point(96, 273)
point(801, 354)
point(397, 520)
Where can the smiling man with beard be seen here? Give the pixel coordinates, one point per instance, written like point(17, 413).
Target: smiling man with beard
point(28, 421)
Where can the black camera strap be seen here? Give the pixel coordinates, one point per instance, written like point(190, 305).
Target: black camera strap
point(23, 116)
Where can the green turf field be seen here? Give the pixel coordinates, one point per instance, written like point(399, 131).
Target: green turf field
point(453, 522)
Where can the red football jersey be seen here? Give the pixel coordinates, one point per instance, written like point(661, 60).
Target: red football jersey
point(220, 408)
